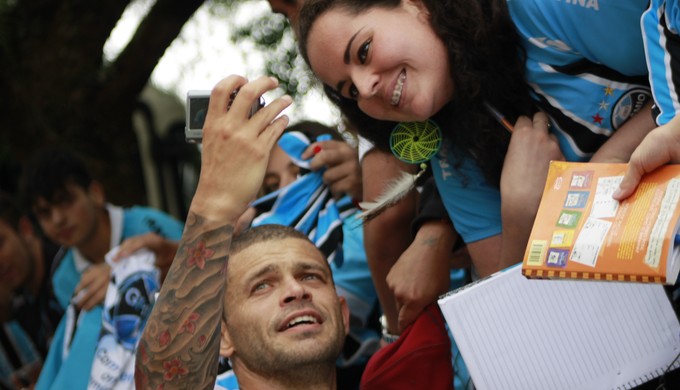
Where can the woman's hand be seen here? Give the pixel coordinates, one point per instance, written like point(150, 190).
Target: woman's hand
point(422, 272)
point(525, 170)
point(341, 160)
point(660, 146)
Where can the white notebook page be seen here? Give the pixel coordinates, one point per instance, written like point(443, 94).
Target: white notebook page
point(516, 333)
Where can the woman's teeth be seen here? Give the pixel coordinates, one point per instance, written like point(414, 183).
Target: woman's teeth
point(396, 94)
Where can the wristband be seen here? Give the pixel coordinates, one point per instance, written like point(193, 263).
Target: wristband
point(387, 337)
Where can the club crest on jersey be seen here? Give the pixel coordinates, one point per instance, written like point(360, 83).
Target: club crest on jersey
point(628, 105)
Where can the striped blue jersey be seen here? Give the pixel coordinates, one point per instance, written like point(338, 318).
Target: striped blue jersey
point(660, 25)
point(585, 66)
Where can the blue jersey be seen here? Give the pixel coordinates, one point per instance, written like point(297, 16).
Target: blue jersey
point(586, 69)
point(660, 25)
point(474, 206)
point(585, 66)
point(226, 381)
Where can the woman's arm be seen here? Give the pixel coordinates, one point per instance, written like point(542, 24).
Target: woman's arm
point(620, 146)
point(525, 170)
point(388, 235)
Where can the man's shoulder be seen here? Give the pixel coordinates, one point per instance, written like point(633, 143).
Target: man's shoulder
point(138, 211)
point(142, 219)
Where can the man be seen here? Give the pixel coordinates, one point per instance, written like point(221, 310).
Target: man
point(306, 201)
point(276, 270)
point(71, 209)
point(25, 262)
point(284, 322)
point(28, 312)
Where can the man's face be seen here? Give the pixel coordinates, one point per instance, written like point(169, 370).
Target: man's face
point(282, 308)
point(16, 263)
point(70, 219)
point(288, 8)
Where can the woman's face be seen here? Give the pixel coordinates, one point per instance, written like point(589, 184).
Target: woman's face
point(389, 60)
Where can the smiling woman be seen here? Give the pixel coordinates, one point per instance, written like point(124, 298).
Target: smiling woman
point(465, 63)
point(397, 79)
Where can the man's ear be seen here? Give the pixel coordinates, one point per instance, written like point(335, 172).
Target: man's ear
point(226, 346)
point(345, 313)
point(96, 192)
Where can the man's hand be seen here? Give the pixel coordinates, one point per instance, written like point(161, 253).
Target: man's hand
point(163, 249)
point(343, 171)
point(236, 148)
point(91, 291)
point(661, 146)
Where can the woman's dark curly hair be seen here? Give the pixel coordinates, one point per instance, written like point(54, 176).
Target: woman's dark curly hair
point(486, 63)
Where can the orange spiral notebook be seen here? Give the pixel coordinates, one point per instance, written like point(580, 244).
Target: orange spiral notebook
point(580, 232)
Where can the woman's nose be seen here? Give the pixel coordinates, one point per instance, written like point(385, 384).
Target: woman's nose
point(366, 83)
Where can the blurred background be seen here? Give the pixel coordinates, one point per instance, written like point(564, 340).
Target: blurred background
point(110, 77)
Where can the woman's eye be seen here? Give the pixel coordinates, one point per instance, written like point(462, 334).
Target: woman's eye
point(271, 184)
point(269, 188)
point(363, 51)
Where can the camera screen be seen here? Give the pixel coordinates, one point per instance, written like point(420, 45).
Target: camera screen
point(198, 109)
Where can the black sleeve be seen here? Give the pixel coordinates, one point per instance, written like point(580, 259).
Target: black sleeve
point(430, 206)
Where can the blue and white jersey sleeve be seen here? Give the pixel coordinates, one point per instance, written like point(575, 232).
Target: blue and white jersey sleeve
point(585, 66)
point(226, 381)
point(660, 27)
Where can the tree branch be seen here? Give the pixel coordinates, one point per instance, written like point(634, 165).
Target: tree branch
point(133, 67)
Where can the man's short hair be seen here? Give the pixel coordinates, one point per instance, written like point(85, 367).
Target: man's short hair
point(49, 171)
point(264, 233)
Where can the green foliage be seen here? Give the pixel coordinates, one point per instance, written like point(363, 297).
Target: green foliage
point(272, 34)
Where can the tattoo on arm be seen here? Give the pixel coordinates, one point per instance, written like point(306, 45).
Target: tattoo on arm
point(430, 241)
point(180, 344)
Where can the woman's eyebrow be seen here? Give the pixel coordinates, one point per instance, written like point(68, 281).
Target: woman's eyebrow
point(346, 57)
point(349, 45)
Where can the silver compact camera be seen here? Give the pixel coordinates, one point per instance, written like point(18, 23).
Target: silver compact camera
point(197, 109)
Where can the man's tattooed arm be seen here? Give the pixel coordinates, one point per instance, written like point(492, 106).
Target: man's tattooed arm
point(180, 344)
